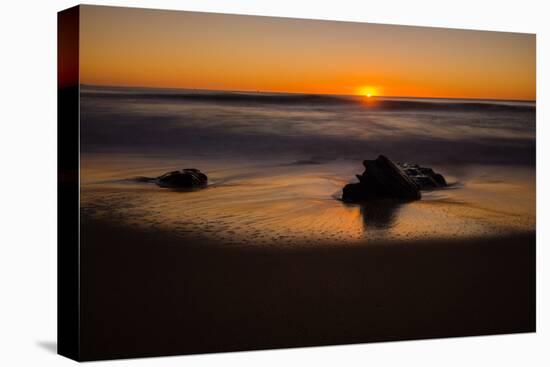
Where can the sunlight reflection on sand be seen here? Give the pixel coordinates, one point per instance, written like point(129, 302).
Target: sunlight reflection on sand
point(282, 205)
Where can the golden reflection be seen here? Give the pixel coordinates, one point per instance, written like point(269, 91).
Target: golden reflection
point(299, 207)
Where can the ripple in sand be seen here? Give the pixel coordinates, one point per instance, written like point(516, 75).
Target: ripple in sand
point(284, 211)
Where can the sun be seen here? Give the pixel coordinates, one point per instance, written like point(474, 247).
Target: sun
point(367, 91)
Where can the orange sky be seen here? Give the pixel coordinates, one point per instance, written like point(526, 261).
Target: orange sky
point(139, 47)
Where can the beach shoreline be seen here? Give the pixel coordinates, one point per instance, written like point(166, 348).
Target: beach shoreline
point(147, 292)
point(267, 255)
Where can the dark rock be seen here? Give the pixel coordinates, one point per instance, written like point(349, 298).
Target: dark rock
point(384, 179)
point(424, 177)
point(440, 179)
point(424, 182)
point(188, 178)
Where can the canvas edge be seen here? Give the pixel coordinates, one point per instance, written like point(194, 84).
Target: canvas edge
point(68, 222)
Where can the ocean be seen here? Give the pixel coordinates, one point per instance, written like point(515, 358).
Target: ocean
point(277, 162)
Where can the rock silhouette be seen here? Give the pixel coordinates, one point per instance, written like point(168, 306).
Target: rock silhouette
point(383, 178)
point(424, 177)
point(187, 178)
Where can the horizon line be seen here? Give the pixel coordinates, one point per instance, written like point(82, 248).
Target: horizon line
point(305, 93)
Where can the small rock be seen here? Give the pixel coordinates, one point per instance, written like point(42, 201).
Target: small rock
point(424, 177)
point(186, 178)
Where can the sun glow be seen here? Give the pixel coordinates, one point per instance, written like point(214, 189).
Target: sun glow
point(362, 59)
point(367, 92)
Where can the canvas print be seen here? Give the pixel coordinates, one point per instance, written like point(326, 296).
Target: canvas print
point(232, 182)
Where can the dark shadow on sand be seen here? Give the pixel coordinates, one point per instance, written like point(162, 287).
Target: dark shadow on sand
point(380, 214)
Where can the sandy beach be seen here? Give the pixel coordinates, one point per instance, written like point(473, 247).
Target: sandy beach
point(149, 292)
point(268, 255)
point(280, 203)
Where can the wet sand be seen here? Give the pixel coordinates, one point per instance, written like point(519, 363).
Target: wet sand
point(283, 203)
point(147, 291)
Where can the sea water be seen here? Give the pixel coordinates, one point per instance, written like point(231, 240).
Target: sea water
point(277, 164)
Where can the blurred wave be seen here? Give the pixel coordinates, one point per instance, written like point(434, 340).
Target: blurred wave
point(299, 127)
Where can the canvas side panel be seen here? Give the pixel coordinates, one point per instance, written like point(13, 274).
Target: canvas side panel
point(68, 338)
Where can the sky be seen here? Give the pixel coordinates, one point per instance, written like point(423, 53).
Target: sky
point(175, 49)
